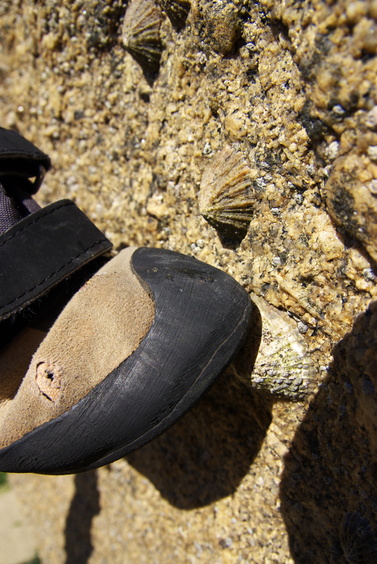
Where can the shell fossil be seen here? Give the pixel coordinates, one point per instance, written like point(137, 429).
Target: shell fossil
point(226, 193)
point(282, 365)
point(176, 10)
point(141, 33)
point(357, 539)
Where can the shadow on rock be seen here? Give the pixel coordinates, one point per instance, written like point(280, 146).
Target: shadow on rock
point(84, 507)
point(207, 453)
point(329, 486)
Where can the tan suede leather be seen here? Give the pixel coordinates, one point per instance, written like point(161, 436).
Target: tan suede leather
point(97, 330)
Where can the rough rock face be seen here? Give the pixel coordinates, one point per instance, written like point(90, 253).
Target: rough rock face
point(245, 476)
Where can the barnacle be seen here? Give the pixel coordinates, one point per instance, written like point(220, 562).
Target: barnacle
point(282, 365)
point(222, 26)
point(176, 10)
point(141, 33)
point(358, 540)
point(226, 193)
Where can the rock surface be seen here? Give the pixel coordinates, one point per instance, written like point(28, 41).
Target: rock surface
point(243, 477)
point(17, 539)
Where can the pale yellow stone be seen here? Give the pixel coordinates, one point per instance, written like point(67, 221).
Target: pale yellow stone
point(295, 67)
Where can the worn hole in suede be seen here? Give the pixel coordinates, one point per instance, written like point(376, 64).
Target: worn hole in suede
point(48, 379)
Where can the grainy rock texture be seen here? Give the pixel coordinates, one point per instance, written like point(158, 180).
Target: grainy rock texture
point(243, 477)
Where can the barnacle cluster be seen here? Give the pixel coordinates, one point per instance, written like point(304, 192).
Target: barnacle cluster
point(351, 188)
point(141, 28)
point(281, 365)
point(176, 10)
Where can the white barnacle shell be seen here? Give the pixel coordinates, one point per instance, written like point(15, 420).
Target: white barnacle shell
point(226, 192)
point(357, 539)
point(282, 365)
point(176, 10)
point(141, 33)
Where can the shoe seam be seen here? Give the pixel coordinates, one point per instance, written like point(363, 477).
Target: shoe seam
point(9, 238)
point(52, 274)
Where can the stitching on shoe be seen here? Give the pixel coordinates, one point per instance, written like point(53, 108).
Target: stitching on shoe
point(34, 222)
point(51, 275)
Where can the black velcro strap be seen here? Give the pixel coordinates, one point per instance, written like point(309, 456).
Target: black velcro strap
point(20, 157)
point(43, 249)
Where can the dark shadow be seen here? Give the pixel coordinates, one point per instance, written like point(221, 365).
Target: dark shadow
point(230, 236)
point(329, 484)
point(150, 76)
point(84, 506)
point(205, 455)
point(231, 241)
